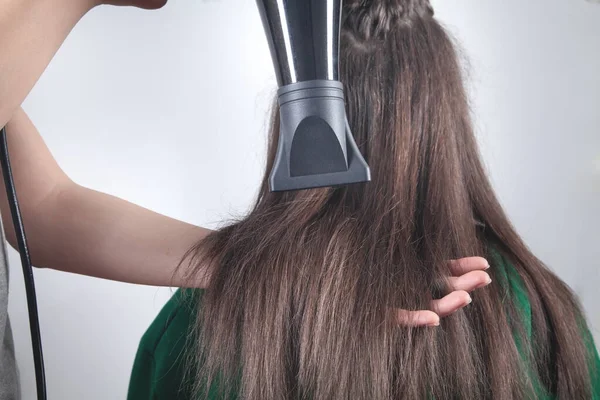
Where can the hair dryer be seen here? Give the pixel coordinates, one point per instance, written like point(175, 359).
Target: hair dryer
point(316, 147)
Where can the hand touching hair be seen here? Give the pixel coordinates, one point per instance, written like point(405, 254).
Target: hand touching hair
point(468, 274)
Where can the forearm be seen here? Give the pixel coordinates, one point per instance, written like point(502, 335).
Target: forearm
point(91, 233)
point(74, 229)
point(31, 31)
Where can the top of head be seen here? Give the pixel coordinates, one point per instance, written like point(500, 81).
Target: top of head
point(373, 19)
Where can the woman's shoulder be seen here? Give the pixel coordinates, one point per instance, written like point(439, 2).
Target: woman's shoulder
point(161, 361)
point(174, 319)
point(515, 294)
point(512, 285)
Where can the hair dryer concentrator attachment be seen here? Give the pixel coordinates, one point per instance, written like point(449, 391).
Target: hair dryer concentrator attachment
point(316, 147)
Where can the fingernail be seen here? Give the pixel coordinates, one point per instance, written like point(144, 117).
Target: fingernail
point(470, 300)
point(487, 267)
point(435, 324)
point(484, 284)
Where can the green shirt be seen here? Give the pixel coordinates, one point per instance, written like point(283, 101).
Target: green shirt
point(159, 367)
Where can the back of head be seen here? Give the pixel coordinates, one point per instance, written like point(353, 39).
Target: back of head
point(301, 301)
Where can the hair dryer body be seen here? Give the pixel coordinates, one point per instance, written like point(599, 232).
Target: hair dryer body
point(316, 147)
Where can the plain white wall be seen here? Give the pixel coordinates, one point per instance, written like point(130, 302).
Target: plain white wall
point(167, 109)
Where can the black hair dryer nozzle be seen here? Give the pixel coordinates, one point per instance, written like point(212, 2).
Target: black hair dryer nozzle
point(316, 147)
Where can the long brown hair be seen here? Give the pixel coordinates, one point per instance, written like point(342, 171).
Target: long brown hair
point(302, 294)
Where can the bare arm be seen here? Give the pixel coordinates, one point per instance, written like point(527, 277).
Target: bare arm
point(75, 229)
point(31, 31)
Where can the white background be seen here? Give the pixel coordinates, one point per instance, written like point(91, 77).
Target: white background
point(167, 109)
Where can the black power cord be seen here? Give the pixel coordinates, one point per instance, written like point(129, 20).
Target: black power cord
point(34, 323)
